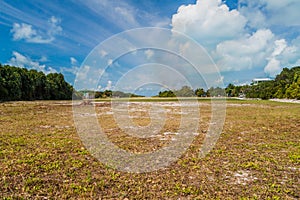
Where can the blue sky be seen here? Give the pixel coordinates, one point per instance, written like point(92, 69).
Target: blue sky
point(245, 38)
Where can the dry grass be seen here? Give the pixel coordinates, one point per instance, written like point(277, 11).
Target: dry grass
point(256, 157)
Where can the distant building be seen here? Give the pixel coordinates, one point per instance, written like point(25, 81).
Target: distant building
point(259, 80)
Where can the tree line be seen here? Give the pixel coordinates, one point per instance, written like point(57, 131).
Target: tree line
point(90, 94)
point(187, 91)
point(285, 85)
point(23, 84)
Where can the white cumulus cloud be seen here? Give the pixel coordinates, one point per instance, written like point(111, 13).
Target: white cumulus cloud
point(29, 34)
point(243, 38)
point(22, 31)
point(246, 52)
point(280, 47)
point(291, 54)
point(273, 66)
point(20, 60)
point(209, 21)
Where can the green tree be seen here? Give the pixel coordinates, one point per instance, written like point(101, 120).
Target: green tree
point(3, 89)
point(230, 90)
point(216, 92)
point(185, 91)
point(199, 92)
point(20, 84)
point(57, 88)
point(166, 93)
point(293, 90)
point(285, 85)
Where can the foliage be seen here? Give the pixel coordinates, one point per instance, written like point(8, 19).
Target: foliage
point(22, 84)
point(285, 85)
point(185, 91)
point(104, 94)
point(199, 92)
point(108, 94)
point(120, 94)
point(216, 92)
point(166, 93)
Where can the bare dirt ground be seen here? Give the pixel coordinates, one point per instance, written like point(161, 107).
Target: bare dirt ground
point(256, 157)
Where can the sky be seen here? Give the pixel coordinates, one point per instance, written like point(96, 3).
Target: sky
point(246, 39)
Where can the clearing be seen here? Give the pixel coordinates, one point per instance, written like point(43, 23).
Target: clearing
point(257, 155)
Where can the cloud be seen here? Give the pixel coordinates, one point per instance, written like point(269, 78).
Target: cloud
point(209, 21)
point(109, 85)
point(55, 28)
point(261, 49)
point(255, 16)
point(43, 59)
point(72, 69)
point(73, 61)
point(87, 77)
point(103, 53)
point(291, 54)
point(27, 33)
point(109, 62)
point(20, 60)
point(125, 14)
point(237, 40)
point(82, 74)
point(160, 22)
point(117, 12)
point(246, 52)
point(280, 47)
point(275, 12)
point(220, 80)
point(22, 31)
point(149, 53)
point(274, 65)
point(244, 38)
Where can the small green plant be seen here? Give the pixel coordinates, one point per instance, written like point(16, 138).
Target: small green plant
point(295, 158)
point(251, 165)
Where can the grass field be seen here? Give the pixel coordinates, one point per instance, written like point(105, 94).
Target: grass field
point(256, 157)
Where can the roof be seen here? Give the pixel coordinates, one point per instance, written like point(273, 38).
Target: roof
point(261, 79)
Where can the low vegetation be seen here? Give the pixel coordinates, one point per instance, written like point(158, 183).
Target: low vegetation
point(256, 157)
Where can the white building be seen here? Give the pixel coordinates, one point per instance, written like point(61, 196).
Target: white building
point(259, 80)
